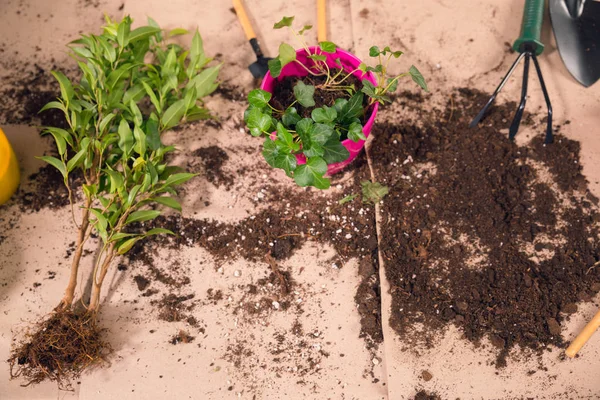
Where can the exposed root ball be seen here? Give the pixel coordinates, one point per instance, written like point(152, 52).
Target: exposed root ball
point(59, 349)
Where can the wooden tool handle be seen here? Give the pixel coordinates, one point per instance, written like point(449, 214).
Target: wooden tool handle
point(321, 21)
point(584, 336)
point(244, 20)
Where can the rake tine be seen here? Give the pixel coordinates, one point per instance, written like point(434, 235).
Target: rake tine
point(498, 89)
point(514, 126)
point(549, 135)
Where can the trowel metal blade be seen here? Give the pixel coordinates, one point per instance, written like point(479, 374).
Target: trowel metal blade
point(576, 25)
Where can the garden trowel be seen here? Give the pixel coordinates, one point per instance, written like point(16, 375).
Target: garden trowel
point(576, 25)
point(259, 68)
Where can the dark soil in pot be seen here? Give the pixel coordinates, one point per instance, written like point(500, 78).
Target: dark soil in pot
point(499, 239)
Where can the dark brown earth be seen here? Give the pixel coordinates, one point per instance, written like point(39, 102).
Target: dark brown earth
point(471, 213)
point(209, 162)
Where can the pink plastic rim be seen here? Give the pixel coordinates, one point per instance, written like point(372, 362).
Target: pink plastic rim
point(349, 63)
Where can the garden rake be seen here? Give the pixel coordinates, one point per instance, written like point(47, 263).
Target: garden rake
point(529, 46)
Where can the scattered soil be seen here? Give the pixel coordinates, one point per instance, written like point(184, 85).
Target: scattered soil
point(60, 348)
point(211, 160)
point(46, 189)
point(479, 232)
point(423, 395)
point(182, 337)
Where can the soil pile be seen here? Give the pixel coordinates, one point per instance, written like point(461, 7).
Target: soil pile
point(499, 239)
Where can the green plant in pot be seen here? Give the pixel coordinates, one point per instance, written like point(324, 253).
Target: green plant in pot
point(133, 86)
point(317, 105)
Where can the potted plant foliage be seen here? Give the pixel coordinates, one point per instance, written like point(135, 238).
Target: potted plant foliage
point(317, 105)
point(133, 86)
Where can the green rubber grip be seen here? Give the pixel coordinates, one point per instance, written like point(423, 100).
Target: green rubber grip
point(531, 27)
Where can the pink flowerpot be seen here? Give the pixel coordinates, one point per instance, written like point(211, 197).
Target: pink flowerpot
point(349, 64)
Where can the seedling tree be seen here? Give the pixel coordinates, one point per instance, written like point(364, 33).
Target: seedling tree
point(133, 87)
point(319, 137)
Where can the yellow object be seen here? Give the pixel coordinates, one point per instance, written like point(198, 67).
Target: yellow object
point(244, 20)
point(321, 21)
point(584, 336)
point(9, 170)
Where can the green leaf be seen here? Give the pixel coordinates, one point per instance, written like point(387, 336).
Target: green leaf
point(275, 67)
point(311, 173)
point(318, 57)
point(152, 133)
point(169, 202)
point(61, 144)
point(122, 235)
point(348, 199)
point(369, 89)
point(132, 195)
point(304, 94)
point(339, 105)
point(125, 137)
point(178, 32)
point(205, 82)
point(373, 192)
point(66, 89)
point(290, 117)
point(197, 48)
point(152, 96)
point(137, 114)
point(54, 104)
point(321, 133)
point(135, 93)
point(259, 98)
point(143, 32)
point(418, 78)
point(285, 21)
point(393, 85)
point(102, 222)
point(287, 54)
point(324, 114)
point(127, 245)
point(82, 52)
point(123, 33)
point(116, 180)
point(76, 160)
point(173, 115)
point(374, 51)
point(104, 123)
point(328, 47)
point(335, 151)
point(141, 216)
point(118, 75)
point(178, 179)
point(355, 132)
point(56, 163)
point(140, 140)
point(158, 231)
point(190, 98)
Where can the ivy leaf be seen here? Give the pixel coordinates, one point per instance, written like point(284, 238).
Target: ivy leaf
point(328, 47)
point(56, 163)
point(259, 121)
point(286, 162)
point(287, 54)
point(348, 199)
point(141, 216)
point(374, 51)
point(355, 132)
point(352, 109)
point(259, 98)
point(304, 29)
point(304, 94)
point(369, 89)
point(311, 173)
point(275, 67)
point(285, 21)
point(318, 57)
point(324, 114)
point(335, 151)
point(321, 133)
point(373, 192)
point(418, 78)
point(392, 85)
point(270, 151)
point(290, 117)
point(286, 138)
point(339, 105)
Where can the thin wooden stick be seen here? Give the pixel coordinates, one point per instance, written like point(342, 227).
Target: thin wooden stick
point(321, 21)
point(584, 336)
